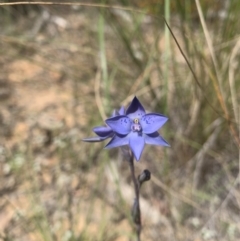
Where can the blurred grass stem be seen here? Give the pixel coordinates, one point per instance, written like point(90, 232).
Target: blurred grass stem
point(103, 59)
point(167, 52)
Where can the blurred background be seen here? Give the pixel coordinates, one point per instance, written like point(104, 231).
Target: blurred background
point(64, 68)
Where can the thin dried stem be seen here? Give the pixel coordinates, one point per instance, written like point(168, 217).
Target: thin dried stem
point(200, 156)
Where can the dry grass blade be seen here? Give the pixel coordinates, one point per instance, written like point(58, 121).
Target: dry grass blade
point(139, 80)
point(233, 64)
point(207, 35)
point(194, 114)
point(176, 194)
point(199, 157)
point(212, 53)
point(94, 5)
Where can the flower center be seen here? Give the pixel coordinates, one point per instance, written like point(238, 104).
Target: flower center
point(136, 127)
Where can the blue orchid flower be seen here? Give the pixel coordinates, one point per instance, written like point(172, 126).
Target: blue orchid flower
point(135, 128)
point(104, 132)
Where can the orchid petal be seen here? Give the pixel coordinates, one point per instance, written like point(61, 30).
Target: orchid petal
point(114, 113)
point(135, 109)
point(103, 131)
point(117, 140)
point(121, 111)
point(152, 122)
point(136, 143)
point(155, 139)
point(120, 124)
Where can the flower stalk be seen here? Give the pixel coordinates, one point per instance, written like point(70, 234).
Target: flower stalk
point(136, 211)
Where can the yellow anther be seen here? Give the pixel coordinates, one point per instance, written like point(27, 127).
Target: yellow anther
point(136, 121)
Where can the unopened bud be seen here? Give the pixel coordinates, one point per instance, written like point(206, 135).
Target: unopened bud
point(144, 176)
